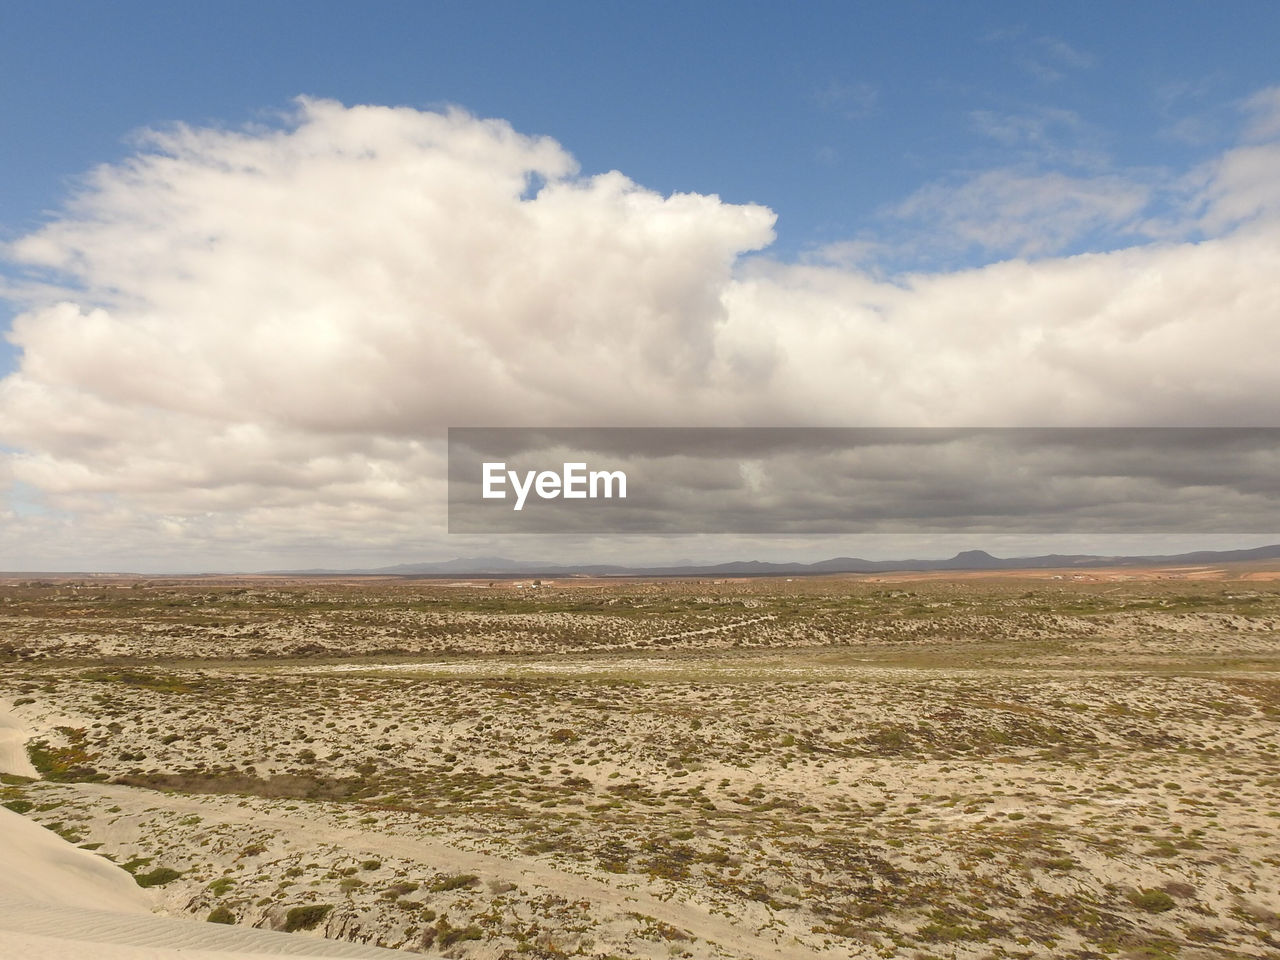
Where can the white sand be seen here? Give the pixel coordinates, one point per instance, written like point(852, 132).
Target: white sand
point(13, 750)
point(38, 866)
point(64, 933)
point(58, 902)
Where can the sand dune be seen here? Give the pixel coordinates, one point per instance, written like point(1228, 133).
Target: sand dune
point(58, 902)
point(40, 867)
point(33, 931)
point(13, 751)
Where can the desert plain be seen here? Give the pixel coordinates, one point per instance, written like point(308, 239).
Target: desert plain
point(1075, 763)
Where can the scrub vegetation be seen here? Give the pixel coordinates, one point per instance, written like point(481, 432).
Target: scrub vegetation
point(1074, 764)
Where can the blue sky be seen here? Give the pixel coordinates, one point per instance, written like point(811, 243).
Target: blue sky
point(826, 112)
point(891, 140)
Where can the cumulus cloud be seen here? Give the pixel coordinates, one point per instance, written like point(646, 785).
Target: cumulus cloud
point(370, 268)
point(256, 336)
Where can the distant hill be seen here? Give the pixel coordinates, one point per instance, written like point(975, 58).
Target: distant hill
point(965, 560)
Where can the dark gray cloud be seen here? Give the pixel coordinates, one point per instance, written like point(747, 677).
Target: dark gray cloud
point(869, 480)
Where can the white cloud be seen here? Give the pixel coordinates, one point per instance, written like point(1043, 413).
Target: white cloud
point(1242, 187)
point(1263, 110)
point(1025, 213)
point(1048, 59)
point(1044, 135)
point(262, 333)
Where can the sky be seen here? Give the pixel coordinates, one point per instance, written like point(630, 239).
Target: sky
point(255, 258)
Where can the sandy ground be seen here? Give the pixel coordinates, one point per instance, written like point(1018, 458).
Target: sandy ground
point(58, 901)
point(972, 767)
point(13, 744)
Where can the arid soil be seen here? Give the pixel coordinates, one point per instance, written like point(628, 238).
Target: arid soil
point(1059, 764)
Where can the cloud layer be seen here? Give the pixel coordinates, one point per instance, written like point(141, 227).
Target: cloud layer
point(261, 333)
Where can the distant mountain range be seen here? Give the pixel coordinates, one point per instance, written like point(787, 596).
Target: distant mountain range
point(965, 560)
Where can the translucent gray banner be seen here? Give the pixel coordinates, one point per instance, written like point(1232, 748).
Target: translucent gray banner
point(781, 480)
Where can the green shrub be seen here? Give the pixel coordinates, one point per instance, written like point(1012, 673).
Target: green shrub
point(450, 937)
point(1153, 901)
point(306, 918)
point(454, 882)
point(399, 889)
point(157, 877)
point(66, 763)
point(221, 914)
point(443, 934)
